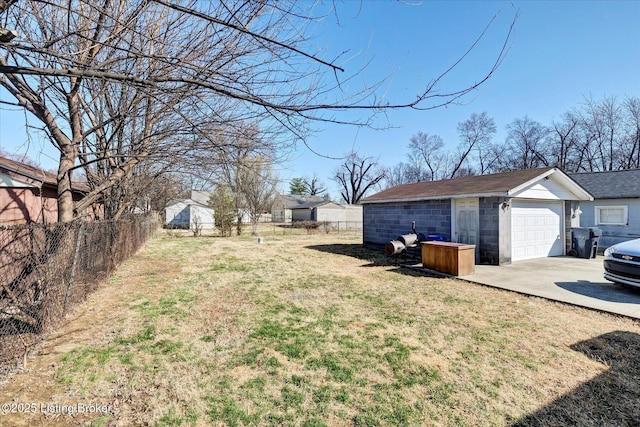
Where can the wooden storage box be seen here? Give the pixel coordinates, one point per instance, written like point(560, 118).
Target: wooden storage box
point(457, 259)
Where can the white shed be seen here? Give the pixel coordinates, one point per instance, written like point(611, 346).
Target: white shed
point(185, 213)
point(283, 205)
point(327, 211)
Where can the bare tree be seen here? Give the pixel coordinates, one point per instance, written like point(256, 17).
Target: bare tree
point(257, 186)
point(563, 141)
point(119, 82)
point(402, 173)
point(313, 186)
point(108, 124)
point(306, 186)
point(630, 150)
point(234, 168)
point(356, 176)
point(21, 158)
point(426, 161)
point(427, 150)
point(526, 139)
point(475, 134)
point(162, 189)
point(599, 135)
point(602, 124)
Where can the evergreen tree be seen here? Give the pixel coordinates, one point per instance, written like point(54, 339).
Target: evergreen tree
point(297, 186)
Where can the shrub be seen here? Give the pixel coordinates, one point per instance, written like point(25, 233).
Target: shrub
point(307, 225)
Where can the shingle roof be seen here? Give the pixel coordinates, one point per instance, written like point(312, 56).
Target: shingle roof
point(191, 202)
point(311, 205)
point(28, 170)
point(494, 184)
point(291, 201)
point(38, 174)
point(308, 205)
point(622, 184)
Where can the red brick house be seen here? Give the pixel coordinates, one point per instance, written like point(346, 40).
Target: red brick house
point(29, 194)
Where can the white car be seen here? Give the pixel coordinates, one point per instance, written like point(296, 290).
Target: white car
point(622, 263)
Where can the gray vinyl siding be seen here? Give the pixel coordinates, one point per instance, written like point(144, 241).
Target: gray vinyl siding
point(612, 234)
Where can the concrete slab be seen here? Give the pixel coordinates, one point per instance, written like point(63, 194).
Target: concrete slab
point(575, 281)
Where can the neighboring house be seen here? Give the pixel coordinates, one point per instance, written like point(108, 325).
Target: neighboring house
point(616, 205)
point(30, 195)
point(509, 216)
point(282, 208)
point(186, 213)
point(353, 214)
point(326, 211)
point(201, 197)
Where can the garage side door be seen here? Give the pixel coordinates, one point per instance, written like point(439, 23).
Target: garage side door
point(536, 229)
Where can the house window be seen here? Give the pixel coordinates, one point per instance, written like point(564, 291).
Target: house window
point(611, 215)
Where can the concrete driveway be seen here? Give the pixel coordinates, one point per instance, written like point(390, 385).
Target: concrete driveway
point(571, 280)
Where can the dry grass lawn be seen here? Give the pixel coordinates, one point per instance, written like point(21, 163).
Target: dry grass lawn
point(317, 331)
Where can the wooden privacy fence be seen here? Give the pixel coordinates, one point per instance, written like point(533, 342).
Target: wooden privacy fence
point(45, 270)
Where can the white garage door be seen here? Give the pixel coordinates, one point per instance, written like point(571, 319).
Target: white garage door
point(536, 229)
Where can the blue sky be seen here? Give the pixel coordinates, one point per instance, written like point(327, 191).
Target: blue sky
point(561, 52)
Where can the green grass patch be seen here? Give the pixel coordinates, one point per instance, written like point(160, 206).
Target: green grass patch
point(337, 368)
point(228, 410)
point(174, 419)
point(302, 333)
point(176, 306)
point(230, 264)
point(148, 333)
point(84, 365)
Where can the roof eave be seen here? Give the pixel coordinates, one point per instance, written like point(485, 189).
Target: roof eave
point(443, 197)
point(580, 191)
point(566, 180)
point(43, 179)
point(526, 184)
point(623, 197)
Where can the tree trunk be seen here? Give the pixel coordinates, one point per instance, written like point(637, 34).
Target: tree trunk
point(65, 195)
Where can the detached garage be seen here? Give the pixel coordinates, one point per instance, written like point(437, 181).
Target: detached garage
point(509, 216)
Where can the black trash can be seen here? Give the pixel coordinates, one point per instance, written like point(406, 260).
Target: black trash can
point(585, 241)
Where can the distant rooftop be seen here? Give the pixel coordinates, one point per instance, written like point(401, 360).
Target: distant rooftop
point(37, 174)
point(290, 201)
point(468, 185)
point(622, 184)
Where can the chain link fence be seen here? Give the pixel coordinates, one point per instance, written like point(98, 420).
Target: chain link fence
point(349, 228)
point(45, 270)
point(310, 227)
